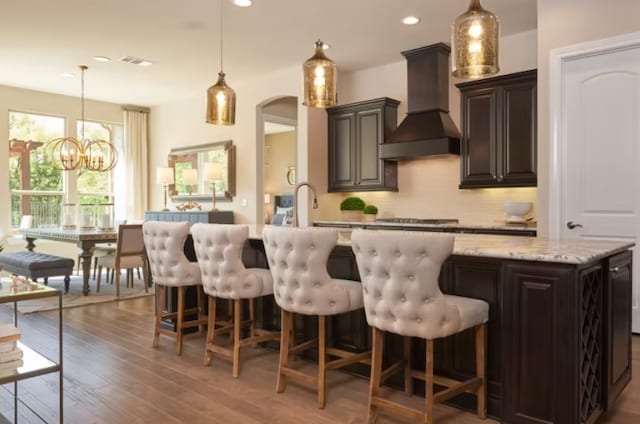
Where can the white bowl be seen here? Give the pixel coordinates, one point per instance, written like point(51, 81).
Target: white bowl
point(516, 211)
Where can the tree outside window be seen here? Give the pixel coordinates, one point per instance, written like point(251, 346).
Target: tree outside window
point(36, 186)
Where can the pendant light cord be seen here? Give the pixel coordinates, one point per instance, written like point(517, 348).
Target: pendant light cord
point(82, 69)
point(221, 55)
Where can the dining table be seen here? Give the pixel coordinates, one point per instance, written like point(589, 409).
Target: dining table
point(84, 239)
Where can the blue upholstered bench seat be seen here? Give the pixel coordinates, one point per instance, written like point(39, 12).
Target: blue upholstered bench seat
point(36, 265)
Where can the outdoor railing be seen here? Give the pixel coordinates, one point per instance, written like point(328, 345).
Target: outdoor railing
point(43, 206)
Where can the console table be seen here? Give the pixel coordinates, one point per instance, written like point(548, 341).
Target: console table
point(192, 217)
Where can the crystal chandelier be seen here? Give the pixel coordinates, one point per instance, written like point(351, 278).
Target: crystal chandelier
point(221, 99)
point(475, 43)
point(69, 153)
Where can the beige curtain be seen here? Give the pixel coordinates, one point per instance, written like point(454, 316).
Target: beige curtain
point(136, 121)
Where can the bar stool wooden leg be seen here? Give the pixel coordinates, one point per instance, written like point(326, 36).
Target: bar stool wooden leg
point(211, 331)
point(481, 393)
point(408, 381)
point(428, 390)
point(160, 293)
point(322, 360)
point(118, 283)
point(252, 318)
point(180, 319)
point(200, 297)
point(376, 372)
point(237, 327)
point(286, 319)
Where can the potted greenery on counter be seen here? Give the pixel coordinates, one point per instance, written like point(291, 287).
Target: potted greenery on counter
point(352, 209)
point(370, 213)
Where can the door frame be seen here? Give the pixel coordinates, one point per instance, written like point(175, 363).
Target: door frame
point(557, 102)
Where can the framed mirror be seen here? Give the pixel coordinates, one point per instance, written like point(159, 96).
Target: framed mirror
point(221, 154)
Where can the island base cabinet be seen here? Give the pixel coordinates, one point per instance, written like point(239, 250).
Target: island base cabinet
point(554, 357)
point(617, 333)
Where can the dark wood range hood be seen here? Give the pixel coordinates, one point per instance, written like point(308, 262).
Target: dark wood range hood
point(427, 129)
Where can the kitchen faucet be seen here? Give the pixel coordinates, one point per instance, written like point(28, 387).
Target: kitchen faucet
point(295, 200)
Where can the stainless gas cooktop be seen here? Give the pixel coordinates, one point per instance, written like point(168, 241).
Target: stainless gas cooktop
point(418, 220)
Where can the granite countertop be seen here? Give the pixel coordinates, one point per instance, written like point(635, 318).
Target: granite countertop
point(538, 249)
point(497, 226)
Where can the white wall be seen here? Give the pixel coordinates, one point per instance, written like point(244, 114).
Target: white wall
point(429, 187)
point(183, 124)
point(562, 23)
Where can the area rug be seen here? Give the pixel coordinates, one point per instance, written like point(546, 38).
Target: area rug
point(75, 298)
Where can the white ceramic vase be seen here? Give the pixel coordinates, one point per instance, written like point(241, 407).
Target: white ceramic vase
point(352, 215)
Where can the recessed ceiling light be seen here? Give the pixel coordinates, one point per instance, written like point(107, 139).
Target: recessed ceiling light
point(101, 59)
point(145, 63)
point(410, 20)
point(67, 75)
point(242, 3)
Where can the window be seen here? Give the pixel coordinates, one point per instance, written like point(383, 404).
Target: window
point(35, 185)
point(93, 186)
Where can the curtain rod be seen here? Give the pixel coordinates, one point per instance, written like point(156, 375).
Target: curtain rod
point(136, 108)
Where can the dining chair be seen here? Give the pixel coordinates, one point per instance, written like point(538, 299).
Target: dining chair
point(129, 254)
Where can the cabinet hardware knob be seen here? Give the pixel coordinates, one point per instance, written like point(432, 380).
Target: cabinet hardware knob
point(571, 225)
point(615, 269)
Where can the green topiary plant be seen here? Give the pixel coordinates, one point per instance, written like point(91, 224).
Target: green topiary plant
point(352, 204)
point(370, 210)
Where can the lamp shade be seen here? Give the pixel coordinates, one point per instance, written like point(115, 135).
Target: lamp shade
point(212, 171)
point(320, 79)
point(190, 177)
point(267, 199)
point(475, 38)
point(164, 176)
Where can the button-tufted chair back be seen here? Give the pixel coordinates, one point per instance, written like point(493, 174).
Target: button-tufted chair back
point(164, 242)
point(298, 263)
point(219, 251)
point(399, 272)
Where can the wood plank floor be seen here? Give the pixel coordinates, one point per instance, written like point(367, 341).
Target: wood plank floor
point(113, 375)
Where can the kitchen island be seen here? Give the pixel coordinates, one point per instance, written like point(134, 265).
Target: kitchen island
point(559, 331)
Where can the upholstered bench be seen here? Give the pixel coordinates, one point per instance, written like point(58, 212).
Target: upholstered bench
point(36, 265)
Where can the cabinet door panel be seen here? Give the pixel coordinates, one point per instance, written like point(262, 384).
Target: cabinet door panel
point(342, 151)
point(479, 149)
point(519, 133)
point(369, 137)
point(618, 298)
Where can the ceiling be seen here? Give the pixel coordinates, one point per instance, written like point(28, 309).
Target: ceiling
point(43, 39)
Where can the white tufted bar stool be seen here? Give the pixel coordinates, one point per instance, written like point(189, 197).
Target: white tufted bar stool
point(298, 263)
point(219, 251)
point(399, 272)
point(164, 243)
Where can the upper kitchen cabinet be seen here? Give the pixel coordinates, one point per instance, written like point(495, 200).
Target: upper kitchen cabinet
point(498, 145)
point(356, 131)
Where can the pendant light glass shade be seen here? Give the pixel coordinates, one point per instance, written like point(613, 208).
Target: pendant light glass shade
point(221, 103)
point(320, 79)
point(475, 43)
point(221, 99)
point(69, 153)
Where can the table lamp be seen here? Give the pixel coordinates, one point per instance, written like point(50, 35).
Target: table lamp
point(213, 173)
point(267, 202)
point(164, 177)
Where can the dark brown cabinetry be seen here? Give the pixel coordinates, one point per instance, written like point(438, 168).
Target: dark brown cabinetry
point(617, 333)
point(356, 131)
point(498, 145)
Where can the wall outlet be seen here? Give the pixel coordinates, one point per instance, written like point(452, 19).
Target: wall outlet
point(244, 203)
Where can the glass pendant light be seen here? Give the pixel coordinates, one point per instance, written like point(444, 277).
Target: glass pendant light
point(320, 78)
point(475, 43)
point(221, 99)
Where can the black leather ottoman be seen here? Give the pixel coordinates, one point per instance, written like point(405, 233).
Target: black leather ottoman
point(36, 265)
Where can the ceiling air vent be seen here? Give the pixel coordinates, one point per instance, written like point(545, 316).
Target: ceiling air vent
point(136, 61)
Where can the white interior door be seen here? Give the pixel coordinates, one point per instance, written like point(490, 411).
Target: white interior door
point(601, 151)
